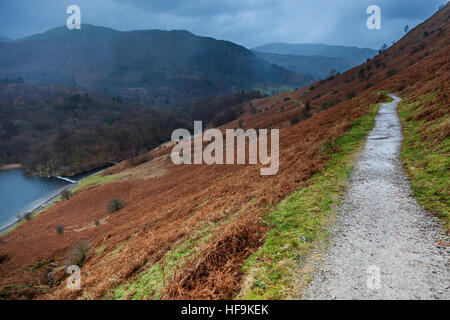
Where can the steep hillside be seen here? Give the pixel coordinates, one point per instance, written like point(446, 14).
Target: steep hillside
point(188, 231)
point(317, 67)
point(153, 66)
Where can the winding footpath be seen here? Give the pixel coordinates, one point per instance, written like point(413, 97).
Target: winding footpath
point(384, 245)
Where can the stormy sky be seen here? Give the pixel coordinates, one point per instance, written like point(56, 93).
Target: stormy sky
point(246, 22)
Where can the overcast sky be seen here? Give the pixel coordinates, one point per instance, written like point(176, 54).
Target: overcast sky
point(246, 22)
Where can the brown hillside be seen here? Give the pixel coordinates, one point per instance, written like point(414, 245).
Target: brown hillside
point(172, 203)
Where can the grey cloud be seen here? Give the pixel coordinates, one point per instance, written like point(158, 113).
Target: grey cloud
point(247, 22)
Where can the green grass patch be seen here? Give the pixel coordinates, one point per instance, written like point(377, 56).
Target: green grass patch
point(99, 251)
point(271, 90)
point(149, 284)
point(151, 281)
point(300, 222)
point(426, 157)
point(94, 181)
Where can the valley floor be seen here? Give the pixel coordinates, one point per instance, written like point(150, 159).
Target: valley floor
point(384, 244)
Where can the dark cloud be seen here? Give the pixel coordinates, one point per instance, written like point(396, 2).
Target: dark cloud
point(247, 22)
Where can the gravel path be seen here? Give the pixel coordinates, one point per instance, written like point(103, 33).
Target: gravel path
point(384, 245)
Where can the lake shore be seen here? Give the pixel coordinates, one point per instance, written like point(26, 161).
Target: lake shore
point(10, 166)
point(44, 204)
point(40, 206)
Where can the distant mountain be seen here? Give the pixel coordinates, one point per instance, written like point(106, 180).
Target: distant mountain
point(317, 67)
point(356, 54)
point(4, 39)
point(315, 60)
point(153, 66)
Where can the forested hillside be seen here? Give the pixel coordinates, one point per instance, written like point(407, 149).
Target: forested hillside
point(151, 66)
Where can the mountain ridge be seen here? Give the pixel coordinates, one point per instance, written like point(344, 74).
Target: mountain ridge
point(318, 67)
point(155, 66)
point(318, 49)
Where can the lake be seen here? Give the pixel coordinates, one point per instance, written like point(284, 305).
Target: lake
point(19, 193)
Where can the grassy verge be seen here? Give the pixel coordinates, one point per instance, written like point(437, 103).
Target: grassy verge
point(94, 181)
point(151, 281)
point(426, 154)
point(300, 222)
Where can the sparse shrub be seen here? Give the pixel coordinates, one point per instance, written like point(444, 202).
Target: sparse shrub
point(65, 195)
point(295, 120)
point(368, 85)
point(59, 229)
point(38, 265)
point(308, 106)
point(287, 99)
point(115, 205)
point(3, 258)
point(81, 256)
point(28, 216)
point(351, 95)
point(392, 73)
point(361, 73)
point(97, 223)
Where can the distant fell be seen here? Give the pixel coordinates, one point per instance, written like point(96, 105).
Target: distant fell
point(317, 67)
point(154, 66)
point(299, 49)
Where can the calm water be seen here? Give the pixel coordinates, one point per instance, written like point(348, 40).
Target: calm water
point(19, 193)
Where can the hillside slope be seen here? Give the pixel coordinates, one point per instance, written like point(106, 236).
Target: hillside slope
point(154, 66)
point(186, 231)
